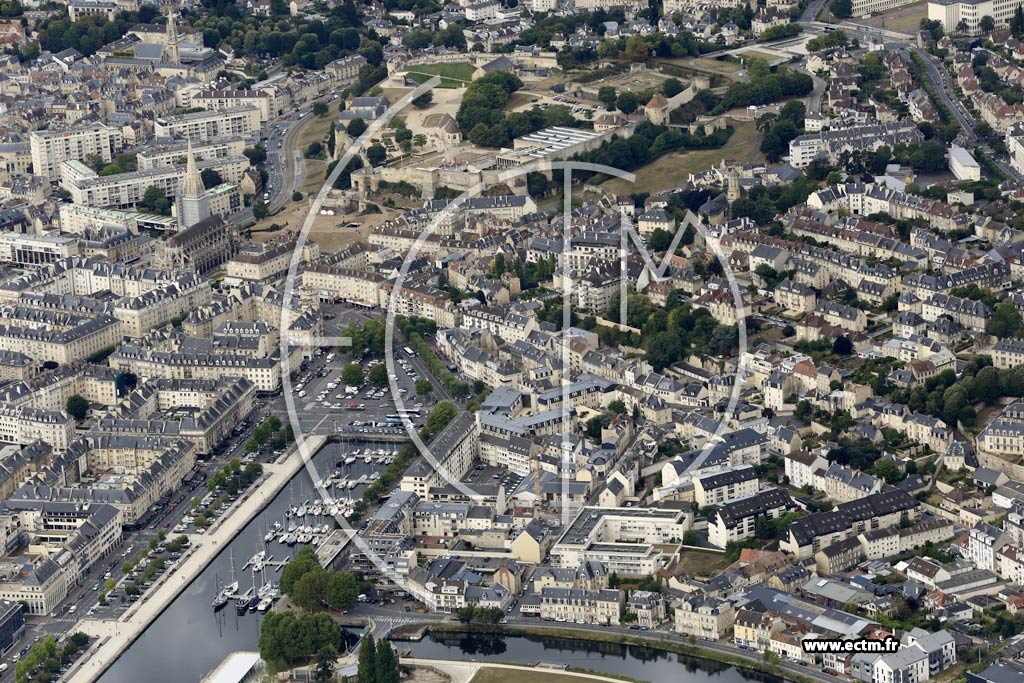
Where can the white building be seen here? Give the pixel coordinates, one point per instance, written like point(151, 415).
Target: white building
point(51, 147)
point(963, 165)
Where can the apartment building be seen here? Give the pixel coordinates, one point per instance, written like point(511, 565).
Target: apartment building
point(349, 284)
point(139, 315)
point(80, 338)
point(68, 539)
point(1008, 353)
point(452, 453)
point(264, 373)
point(174, 153)
point(807, 535)
point(24, 425)
point(204, 126)
point(964, 16)
point(704, 616)
point(737, 520)
point(126, 190)
point(623, 539)
point(795, 297)
point(649, 608)
point(50, 148)
point(724, 486)
point(231, 99)
point(575, 605)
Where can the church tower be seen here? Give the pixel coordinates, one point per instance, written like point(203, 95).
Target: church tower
point(171, 49)
point(193, 201)
point(732, 192)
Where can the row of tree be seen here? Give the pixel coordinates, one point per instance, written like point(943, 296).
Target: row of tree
point(310, 586)
point(288, 639)
point(234, 478)
point(377, 661)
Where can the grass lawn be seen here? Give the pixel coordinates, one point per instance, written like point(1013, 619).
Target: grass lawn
point(906, 19)
point(453, 75)
point(499, 675)
point(697, 563)
point(315, 130)
point(672, 170)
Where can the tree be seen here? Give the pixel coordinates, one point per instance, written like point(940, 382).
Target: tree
point(443, 413)
point(1017, 22)
point(671, 87)
point(210, 178)
point(606, 94)
point(296, 196)
point(77, 407)
point(310, 588)
point(888, 470)
point(424, 387)
point(154, 200)
point(803, 411)
point(356, 127)
point(387, 663)
point(257, 154)
point(842, 346)
point(342, 590)
point(376, 154)
point(260, 210)
point(1006, 321)
point(987, 24)
point(320, 109)
point(325, 659)
point(424, 100)
point(367, 671)
point(842, 9)
point(378, 376)
point(627, 102)
point(617, 406)
point(352, 374)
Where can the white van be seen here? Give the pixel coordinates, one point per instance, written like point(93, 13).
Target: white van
point(302, 394)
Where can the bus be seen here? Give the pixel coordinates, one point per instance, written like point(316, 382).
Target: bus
point(409, 352)
point(409, 412)
point(393, 420)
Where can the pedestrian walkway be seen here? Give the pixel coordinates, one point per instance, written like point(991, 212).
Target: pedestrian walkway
point(463, 672)
point(115, 635)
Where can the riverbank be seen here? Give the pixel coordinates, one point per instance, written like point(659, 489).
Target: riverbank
point(650, 639)
point(115, 636)
point(476, 672)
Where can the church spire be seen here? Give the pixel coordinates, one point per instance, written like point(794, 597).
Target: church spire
point(192, 185)
point(172, 48)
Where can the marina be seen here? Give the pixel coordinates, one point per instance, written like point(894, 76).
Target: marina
point(193, 634)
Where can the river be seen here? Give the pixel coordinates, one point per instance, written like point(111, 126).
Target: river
point(189, 639)
point(632, 661)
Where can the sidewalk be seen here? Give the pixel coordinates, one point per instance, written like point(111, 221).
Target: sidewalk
point(464, 672)
point(116, 635)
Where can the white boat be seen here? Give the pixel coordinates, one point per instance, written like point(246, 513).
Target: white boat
point(264, 604)
point(350, 459)
point(368, 459)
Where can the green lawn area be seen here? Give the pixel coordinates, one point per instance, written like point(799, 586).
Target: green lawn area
point(455, 75)
point(672, 169)
point(499, 675)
